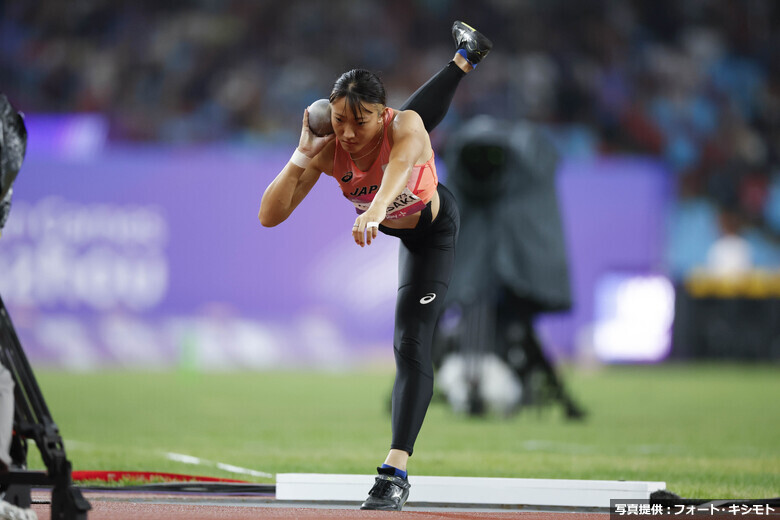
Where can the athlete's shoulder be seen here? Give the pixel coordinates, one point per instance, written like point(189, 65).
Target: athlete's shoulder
point(406, 116)
point(407, 121)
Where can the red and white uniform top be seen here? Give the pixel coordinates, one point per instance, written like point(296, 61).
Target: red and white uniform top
point(360, 187)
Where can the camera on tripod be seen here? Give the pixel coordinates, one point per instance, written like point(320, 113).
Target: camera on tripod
point(31, 416)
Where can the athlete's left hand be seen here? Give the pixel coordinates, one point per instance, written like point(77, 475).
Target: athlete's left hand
point(366, 227)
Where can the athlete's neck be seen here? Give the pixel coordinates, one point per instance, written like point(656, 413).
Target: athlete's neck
point(372, 149)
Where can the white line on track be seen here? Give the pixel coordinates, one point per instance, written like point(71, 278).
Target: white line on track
point(189, 459)
point(179, 457)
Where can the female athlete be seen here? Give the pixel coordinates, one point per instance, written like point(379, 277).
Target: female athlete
point(383, 160)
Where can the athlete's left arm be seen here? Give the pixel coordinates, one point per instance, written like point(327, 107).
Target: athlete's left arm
point(409, 142)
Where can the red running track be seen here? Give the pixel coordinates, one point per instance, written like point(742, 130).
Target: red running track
point(142, 506)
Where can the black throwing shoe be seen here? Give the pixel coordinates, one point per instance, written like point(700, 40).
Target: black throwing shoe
point(472, 41)
point(389, 492)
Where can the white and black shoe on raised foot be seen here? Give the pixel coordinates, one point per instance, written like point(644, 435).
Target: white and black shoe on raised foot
point(475, 45)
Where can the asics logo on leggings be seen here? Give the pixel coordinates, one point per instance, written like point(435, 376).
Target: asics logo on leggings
point(428, 298)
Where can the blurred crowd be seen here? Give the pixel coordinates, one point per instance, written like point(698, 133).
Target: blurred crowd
point(695, 82)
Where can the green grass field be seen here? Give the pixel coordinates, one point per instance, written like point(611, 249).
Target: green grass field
point(708, 431)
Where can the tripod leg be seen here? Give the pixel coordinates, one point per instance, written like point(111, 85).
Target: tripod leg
point(517, 317)
point(536, 353)
point(33, 420)
point(67, 502)
point(13, 452)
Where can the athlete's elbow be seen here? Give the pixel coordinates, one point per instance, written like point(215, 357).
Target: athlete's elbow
point(267, 220)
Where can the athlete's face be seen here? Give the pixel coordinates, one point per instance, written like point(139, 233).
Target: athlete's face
point(356, 131)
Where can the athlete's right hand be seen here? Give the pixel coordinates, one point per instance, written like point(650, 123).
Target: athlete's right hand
point(311, 144)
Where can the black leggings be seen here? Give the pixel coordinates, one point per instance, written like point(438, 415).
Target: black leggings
point(425, 263)
point(433, 99)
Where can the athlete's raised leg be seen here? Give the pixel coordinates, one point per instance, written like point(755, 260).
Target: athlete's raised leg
point(433, 99)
